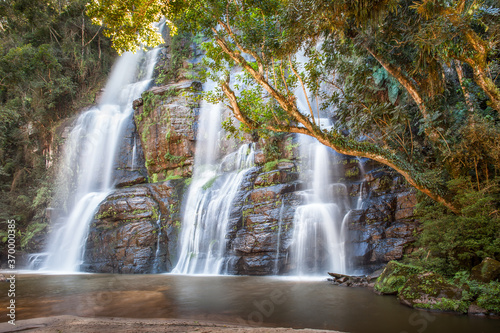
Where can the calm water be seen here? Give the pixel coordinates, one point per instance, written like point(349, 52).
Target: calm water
point(264, 301)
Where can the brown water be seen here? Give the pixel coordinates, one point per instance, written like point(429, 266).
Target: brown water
point(261, 301)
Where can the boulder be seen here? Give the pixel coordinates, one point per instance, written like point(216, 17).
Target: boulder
point(348, 280)
point(431, 291)
point(488, 270)
point(394, 277)
point(475, 309)
point(135, 230)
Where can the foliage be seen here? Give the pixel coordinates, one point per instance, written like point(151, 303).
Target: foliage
point(486, 295)
point(178, 51)
point(394, 277)
point(489, 297)
point(451, 243)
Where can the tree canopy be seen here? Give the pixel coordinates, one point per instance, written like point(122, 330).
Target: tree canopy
point(413, 85)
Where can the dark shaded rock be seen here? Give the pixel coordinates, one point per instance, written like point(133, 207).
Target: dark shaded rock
point(131, 178)
point(394, 277)
point(384, 229)
point(130, 164)
point(405, 205)
point(256, 264)
point(488, 270)
point(261, 229)
point(431, 291)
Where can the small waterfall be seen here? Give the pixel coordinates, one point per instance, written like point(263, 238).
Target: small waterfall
point(156, 262)
point(318, 242)
point(134, 153)
point(362, 194)
point(209, 204)
point(320, 225)
point(86, 175)
point(209, 201)
point(278, 242)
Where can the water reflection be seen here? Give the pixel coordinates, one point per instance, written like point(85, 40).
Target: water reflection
point(265, 301)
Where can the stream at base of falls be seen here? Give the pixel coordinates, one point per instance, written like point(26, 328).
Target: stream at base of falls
point(244, 300)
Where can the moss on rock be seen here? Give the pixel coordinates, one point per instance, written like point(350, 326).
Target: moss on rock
point(429, 290)
point(394, 277)
point(488, 270)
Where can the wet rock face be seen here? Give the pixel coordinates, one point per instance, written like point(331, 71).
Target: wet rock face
point(383, 230)
point(124, 236)
point(130, 165)
point(261, 226)
point(166, 124)
point(128, 227)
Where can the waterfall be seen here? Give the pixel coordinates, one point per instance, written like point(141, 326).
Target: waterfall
point(134, 153)
point(319, 237)
point(276, 268)
point(209, 201)
point(320, 224)
point(362, 194)
point(86, 175)
point(156, 263)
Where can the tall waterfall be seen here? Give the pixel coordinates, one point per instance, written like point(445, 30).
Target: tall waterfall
point(211, 194)
point(86, 175)
point(320, 224)
point(320, 230)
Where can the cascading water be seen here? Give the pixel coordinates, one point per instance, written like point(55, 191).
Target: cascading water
point(156, 262)
point(134, 153)
point(320, 225)
point(318, 240)
point(86, 175)
point(278, 242)
point(209, 201)
point(362, 194)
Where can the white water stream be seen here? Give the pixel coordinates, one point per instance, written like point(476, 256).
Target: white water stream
point(209, 201)
point(320, 225)
point(86, 174)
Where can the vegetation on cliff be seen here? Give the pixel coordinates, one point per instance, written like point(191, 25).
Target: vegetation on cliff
point(52, 61)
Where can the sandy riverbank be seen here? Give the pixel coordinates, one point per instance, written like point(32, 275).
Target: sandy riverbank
point(70, 324)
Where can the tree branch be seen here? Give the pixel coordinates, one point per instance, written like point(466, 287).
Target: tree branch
point(338, 143)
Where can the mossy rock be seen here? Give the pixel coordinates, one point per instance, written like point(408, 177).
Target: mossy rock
point(394, 277)
point(431, 291)
point(488, 270)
